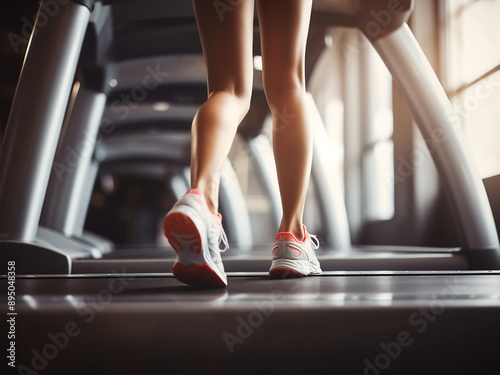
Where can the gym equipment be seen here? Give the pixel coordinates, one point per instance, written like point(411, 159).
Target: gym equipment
point(30, 141)
point(31, 137)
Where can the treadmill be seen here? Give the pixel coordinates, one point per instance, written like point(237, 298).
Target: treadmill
point(399, 310)
point(59, 243)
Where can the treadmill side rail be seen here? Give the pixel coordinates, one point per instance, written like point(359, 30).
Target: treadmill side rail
point(432, 110)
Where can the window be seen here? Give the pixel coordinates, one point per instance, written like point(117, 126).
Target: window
point(353, 91)
point(378, 151)
point(473, 68)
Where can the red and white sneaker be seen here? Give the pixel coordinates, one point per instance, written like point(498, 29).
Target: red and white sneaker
point(294, 258)
point(195, 233)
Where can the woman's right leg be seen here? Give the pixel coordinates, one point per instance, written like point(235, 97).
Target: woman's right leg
point(284, 26)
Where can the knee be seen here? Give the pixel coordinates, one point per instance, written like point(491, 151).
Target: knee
point(238, 100)
point(243, 99)
point(283, 88)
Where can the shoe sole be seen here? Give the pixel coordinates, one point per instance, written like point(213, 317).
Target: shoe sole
point(191, 267)
point(286, 269)
point(285, 273)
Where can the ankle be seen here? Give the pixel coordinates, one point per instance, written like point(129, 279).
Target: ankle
point(210, 200)
point(297, 230)
point(212, 205)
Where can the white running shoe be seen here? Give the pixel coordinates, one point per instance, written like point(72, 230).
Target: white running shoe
point(195, 233)
point(294, 258)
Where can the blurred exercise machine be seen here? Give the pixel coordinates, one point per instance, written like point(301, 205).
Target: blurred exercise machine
point(85, 108)
point(80, 36)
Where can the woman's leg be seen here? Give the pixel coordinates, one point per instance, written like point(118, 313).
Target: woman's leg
point(284, 26)
point(226, 37)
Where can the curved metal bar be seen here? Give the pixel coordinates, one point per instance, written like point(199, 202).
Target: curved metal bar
point(432, 111)
point(36, 118)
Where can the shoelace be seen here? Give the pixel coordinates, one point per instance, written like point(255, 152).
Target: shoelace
point(314, 241)
point(223, 239)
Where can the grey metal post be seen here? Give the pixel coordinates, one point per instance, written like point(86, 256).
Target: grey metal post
point(235, 209)
point(328, 186)
point(36, 118)
point(72, 164)
point(261, 153)
point(86, 195)
point(432, 111)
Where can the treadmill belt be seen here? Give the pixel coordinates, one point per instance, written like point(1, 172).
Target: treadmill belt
point(378, 323)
